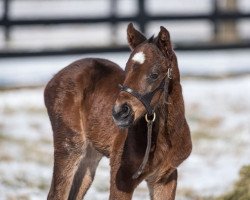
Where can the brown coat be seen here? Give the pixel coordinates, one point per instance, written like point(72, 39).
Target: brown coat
point(79, 100)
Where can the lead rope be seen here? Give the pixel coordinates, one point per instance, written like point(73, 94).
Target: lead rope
point(149, 140)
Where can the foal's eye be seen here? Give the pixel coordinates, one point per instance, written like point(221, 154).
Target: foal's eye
point(153, 76)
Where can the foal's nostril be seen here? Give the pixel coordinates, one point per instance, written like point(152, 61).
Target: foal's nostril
point(125, 110)
point(121, 112)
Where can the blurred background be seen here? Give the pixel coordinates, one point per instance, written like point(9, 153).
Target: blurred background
point(212, 43)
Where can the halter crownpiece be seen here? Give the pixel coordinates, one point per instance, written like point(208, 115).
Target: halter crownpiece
point(146, 99)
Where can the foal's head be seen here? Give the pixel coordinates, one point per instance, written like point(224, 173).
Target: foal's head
point(145, 70)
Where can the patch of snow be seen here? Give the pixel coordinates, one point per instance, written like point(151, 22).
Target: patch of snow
point(216, 162)
point(225, 99)
point(210, 170)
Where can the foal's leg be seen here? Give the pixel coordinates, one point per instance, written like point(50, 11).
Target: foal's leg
point(66, 118)
point(85, 173)
point(67, 155)
point(164, 189)
point(122, 185)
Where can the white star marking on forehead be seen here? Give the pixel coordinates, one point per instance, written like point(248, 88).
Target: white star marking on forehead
point(139, 57)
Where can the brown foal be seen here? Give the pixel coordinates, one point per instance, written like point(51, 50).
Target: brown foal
point(92, 117)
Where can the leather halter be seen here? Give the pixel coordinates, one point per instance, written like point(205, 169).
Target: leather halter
point(146, 99)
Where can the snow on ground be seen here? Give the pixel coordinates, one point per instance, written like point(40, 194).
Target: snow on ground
point(218, 112)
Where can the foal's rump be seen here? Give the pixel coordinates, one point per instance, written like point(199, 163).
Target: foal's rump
point(80, 95)
point(77, 99)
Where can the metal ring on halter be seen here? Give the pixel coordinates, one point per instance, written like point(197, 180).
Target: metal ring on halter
point(147, 120)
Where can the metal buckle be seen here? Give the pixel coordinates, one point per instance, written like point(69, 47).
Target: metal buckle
point(169, 73)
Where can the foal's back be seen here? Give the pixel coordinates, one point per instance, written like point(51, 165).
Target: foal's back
point(82, 94)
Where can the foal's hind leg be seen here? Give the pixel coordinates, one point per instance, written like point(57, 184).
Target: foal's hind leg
point(85, 173)
point(163, 189)
point(66, 118)
point(67, 156)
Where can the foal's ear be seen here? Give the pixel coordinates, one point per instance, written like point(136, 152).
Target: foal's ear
point(134, 36)
point(163, 42)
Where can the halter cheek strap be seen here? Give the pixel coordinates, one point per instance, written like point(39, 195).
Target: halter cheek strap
point(146, 99)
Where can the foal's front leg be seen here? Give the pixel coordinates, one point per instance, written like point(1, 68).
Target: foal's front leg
point(122, 185)
point(164, 189)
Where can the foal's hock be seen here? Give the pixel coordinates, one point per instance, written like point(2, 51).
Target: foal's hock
point(135, 117)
